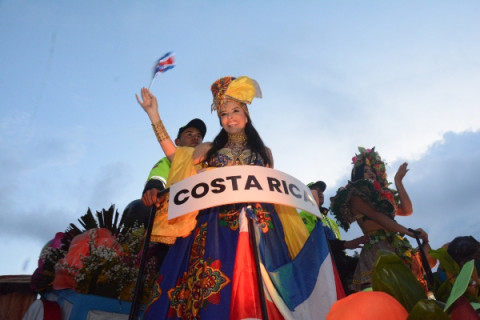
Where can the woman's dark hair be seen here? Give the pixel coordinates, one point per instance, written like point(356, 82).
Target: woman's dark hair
point(254, 142)
point(358, 173)
point(463, 249)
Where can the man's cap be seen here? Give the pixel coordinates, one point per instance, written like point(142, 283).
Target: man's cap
point(317, 185)
point(195, 123)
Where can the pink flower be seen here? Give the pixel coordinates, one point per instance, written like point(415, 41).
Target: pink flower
point(354, 160)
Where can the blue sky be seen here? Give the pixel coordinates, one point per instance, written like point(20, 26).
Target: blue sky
point(401, 76)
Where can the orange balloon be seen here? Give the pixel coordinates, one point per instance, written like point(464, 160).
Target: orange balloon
point(367, 305)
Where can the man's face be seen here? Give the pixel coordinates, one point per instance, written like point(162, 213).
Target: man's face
point(318, 196)
point(190, 137)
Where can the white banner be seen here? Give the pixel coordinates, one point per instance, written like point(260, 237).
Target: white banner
point(238, 184)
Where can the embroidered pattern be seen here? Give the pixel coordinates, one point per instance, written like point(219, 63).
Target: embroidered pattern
point(200, 285)
point(228, 217)
point(225, 157)
point(263, 218)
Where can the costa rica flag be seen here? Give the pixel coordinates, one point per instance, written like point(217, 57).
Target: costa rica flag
point(165, 63)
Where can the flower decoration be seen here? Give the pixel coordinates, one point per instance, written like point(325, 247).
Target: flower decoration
point(103, 259)
point(371, 158)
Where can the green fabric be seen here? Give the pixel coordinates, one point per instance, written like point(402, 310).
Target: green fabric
point(160, 170)
point(330, 223)
point(309, 220)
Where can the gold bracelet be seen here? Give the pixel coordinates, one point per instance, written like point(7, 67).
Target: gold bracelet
point(160, 131)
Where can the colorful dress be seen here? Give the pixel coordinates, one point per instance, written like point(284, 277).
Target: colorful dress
point(211, 273)
point(382, 200)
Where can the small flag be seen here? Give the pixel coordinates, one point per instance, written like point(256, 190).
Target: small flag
point(163, 64)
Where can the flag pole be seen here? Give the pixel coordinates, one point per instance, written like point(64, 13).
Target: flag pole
point(425, 264)
point(151, 82)
point(146, 243)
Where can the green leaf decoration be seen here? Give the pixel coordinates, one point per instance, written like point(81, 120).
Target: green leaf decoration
point(427, 310)
point(475, 305)
point(446, 261)
point(392, 276)
point(461, 283)
point(443, 291)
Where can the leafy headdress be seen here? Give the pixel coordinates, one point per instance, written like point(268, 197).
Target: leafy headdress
point(371, 158)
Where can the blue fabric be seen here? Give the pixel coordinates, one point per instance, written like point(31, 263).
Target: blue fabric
point(83, 303)
point(295, 280)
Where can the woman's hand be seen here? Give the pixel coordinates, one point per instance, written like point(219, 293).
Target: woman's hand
point(401, 172)
point(356, 243)
point(405, 208)
point(421, 234)
point(149, 104)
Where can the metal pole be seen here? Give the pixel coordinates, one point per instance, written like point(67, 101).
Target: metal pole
point(146, 244)
point(423, 256)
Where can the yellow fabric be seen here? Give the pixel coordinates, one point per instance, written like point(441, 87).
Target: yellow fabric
point(241, 89)
point(295, 231)
point(164, 230)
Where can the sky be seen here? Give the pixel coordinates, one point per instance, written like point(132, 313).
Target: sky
point(401, 76)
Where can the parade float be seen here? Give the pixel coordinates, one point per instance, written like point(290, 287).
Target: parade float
point(91, 271)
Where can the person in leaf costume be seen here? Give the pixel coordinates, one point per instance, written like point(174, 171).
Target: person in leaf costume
point(368, 200)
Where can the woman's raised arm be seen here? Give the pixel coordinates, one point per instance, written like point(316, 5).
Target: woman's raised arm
point(149, 103)
point(405, 207)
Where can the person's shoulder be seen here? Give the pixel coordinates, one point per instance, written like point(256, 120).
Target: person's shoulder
point(203, 148)
point(162, 161)
point(201, 151)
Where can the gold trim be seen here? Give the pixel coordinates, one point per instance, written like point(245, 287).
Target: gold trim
point(160, 131)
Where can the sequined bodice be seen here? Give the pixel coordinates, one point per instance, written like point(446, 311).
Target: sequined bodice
point(225, 157)
point(236, 153)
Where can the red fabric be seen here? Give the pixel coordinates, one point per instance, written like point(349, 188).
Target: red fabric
point(51, 310)
point(245, 292)
point(245, 297)
point(338, 283)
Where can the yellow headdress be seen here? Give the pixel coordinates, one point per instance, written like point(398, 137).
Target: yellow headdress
point(242, 89)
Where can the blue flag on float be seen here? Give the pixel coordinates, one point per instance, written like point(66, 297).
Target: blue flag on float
point(166, 62)
point(304, 287)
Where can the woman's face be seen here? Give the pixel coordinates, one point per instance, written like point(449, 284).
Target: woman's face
point(369, 174)
point(232, 117)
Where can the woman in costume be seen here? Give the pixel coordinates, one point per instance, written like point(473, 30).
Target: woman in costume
point(207, 273)
point(368, 200)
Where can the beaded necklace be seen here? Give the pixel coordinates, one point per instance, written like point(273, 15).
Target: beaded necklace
point(237, 143)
